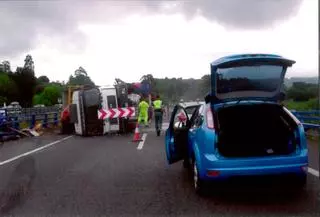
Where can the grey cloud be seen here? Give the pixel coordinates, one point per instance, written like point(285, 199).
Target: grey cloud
point(21, 22)
point(241, 14)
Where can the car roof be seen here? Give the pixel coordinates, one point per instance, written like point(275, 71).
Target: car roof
point(236, 57)
point(190, 104)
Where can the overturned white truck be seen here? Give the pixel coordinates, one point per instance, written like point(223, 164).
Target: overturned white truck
point(88, 102)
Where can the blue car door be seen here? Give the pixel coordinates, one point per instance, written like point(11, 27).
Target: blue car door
point(176, 137)
point(196, 122)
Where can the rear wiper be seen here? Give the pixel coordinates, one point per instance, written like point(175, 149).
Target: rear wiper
point(238, 101)
point(226, 104)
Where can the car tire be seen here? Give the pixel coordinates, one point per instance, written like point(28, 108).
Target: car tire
point(300, 183)
point(186, 164)
point(198, 183)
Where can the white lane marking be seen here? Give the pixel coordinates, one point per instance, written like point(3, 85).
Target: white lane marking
point(140, 146)
point(33, 151)
point(313, 172)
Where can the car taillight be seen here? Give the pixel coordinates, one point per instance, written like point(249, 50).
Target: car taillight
point(210, 121)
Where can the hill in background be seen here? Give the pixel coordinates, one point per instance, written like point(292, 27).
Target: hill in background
point(174, 89)
point(311, 80)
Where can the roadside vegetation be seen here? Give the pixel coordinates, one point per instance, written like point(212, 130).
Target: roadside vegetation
point(24, 87)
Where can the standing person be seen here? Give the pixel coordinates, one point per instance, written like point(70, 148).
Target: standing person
point(158, 112)
point(143, 112)
point(150, 114)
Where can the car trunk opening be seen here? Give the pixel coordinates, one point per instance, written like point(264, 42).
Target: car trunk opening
point(255, 130)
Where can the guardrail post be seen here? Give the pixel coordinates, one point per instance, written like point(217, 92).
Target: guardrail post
point(55, 119)
point(33, 121)
point(16, 124)
point(45, 121)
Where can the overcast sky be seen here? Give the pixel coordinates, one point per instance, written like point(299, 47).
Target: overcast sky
point(126, 39)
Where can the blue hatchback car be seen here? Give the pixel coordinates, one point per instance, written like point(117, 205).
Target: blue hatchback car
point(241, 130)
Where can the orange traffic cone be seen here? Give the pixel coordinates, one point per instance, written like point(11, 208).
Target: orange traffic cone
point(136, 137)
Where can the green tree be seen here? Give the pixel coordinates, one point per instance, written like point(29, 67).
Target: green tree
point(205, 84)
point(28, 63)
point(301, 91)
point(81, 71)
point(43, 80)
point(80, 77)
point(49, 96)
point(6, 66)
point(26, 83)
point(8, 88)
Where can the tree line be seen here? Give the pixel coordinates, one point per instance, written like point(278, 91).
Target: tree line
point(24, 87)
point(174, 89)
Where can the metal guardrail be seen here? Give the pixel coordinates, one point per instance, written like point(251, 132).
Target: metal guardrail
point(30, 111)
point(14, 116)
point(47, 118)
point(309, 119)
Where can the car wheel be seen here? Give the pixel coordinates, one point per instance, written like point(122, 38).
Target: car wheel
point(300, 182)
point(187, 162)
point(198, 183)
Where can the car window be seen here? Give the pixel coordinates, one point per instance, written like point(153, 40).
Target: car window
point(193, 121)
point(197, 117)
point(190, 110)
point(180, 118)
point(201, 109)
point(249, 78)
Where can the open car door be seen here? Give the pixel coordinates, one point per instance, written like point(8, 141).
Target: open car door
point(176, 137)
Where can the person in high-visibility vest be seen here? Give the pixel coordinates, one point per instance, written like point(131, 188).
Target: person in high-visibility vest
point(158, 112)
point(143, 112)
point(150, 114)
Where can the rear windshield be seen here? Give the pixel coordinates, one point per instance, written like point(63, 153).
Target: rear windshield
point(249, 78)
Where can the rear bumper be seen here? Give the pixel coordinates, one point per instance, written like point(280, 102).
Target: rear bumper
point(213, 168)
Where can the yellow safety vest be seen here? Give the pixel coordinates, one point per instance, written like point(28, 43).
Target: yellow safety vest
point(157, 104)
point(143, 108)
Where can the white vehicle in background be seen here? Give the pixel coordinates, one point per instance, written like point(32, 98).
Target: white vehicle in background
point(15, 105)
point(39, 106)
point(14, 108)
point(191, 106)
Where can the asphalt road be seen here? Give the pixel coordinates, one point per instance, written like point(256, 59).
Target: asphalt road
point(112, 176)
